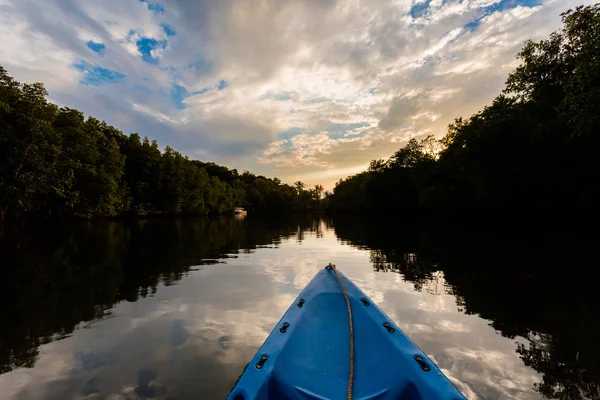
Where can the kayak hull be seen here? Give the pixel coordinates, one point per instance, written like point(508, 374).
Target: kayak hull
point(307, 356)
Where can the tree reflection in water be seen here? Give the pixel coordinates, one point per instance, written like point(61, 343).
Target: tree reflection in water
point(528, 284)
point(56, 276)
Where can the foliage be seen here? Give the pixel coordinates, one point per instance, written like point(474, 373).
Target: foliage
point(533, 149)
point(55, 162)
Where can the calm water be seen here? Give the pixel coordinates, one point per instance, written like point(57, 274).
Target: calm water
point(174, 309)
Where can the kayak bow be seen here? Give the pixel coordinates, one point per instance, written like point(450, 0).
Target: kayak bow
point(310, 354)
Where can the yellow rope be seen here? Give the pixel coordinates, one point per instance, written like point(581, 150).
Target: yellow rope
point(351, 376)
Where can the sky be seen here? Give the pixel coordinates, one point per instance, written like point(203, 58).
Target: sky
point(308, 90)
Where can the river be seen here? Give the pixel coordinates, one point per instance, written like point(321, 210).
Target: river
point(174, 308)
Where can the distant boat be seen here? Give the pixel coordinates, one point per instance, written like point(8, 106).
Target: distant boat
point(335, 343)
point(239, 210)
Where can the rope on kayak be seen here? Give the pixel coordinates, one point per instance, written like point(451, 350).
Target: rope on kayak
point(351, 375)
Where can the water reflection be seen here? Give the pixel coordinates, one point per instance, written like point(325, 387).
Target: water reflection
point(175, 308)
point(55, 277)
point(529, 286)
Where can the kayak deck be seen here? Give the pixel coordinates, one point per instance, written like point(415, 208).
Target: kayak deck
point(307, 355)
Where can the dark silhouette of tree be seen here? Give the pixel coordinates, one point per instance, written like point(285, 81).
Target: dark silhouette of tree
point(533, 150)
point(55, 162)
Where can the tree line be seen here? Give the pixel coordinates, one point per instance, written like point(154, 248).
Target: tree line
point(534, 149)
point(56, 162)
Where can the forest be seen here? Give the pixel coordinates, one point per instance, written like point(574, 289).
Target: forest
point(55, 162)
point(533, 150)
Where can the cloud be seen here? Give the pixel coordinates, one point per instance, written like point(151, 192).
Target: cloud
point(400, 113)
point(355, 79)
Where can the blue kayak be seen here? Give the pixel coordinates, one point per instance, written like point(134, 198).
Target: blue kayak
point(335, 343)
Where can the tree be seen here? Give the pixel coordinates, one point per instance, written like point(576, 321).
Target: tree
point(377, 166)
point(317, 192)
point(30, 150)
point(58, 163)
point(533, 150)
